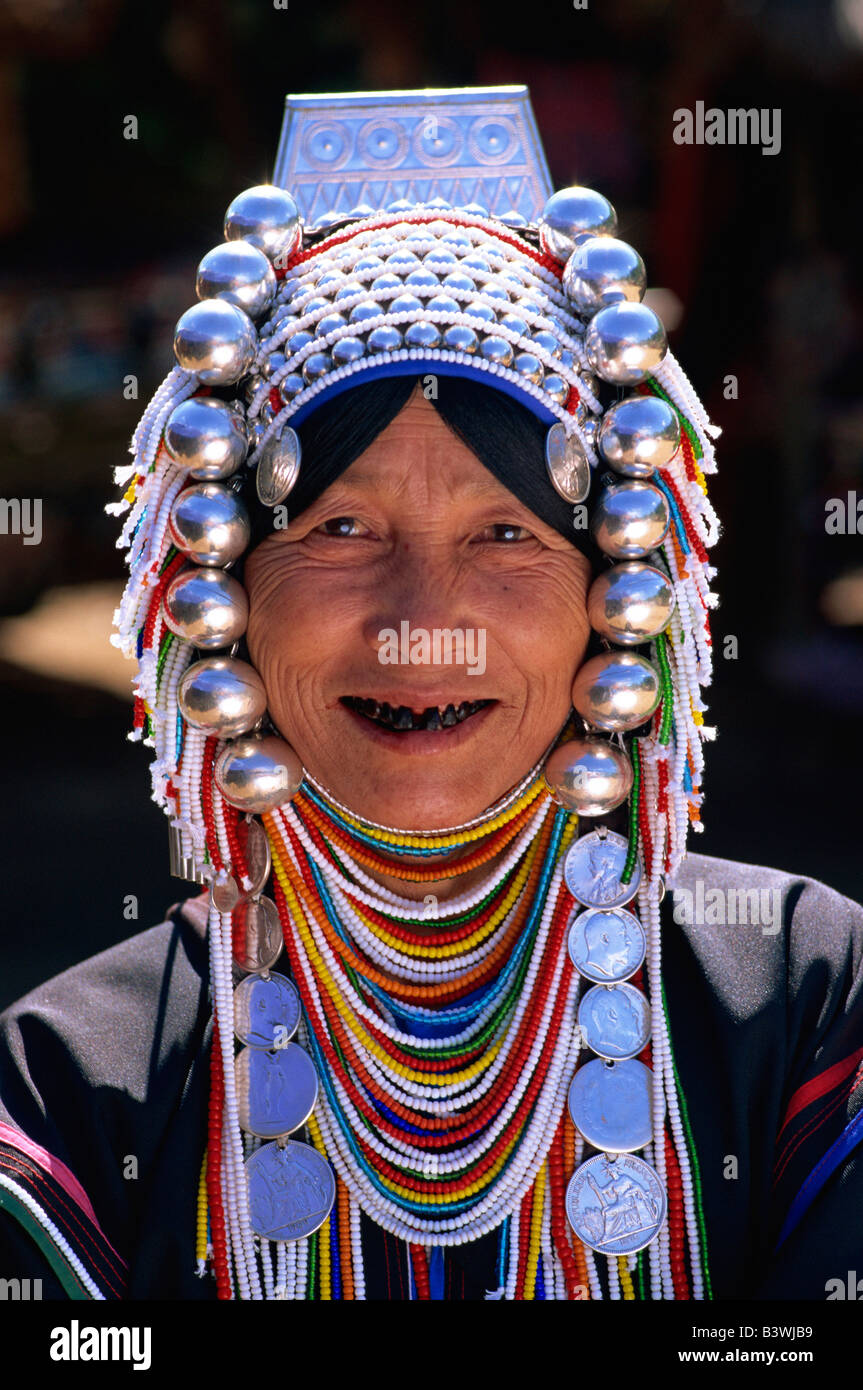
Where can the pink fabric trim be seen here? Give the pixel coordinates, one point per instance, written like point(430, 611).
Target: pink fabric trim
point(58, 1170)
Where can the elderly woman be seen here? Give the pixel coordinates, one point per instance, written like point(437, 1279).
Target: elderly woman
point(434, 1029)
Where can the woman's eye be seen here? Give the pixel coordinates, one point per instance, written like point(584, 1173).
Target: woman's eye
point(340, 526)
point(505, 531)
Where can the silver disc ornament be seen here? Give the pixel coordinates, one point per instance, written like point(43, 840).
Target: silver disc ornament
point(610, 1105)
point(276, 1091)
point(615, 1021)
point(278, 467)
point(266, 1011)
point(606, 947)
point(567, 464)
point(255, 846)
point(224, 892)
point(256, 934)
point(593, 867)
point(292, 1189)
point(616, 1205)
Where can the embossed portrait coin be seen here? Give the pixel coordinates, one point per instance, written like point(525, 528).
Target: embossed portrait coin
point(256, 848)
point(616, 1020)
point(256, 934)
point(615, 1206)
point(292, 1189)
point(606, 946)
point(593, 867)
point(567, 464)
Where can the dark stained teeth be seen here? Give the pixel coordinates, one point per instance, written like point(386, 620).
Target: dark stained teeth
point(403, 719)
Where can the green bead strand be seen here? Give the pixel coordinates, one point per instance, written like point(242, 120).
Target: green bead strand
point(632, 850)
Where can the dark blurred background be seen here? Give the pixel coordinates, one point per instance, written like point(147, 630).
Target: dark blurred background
point(757, 258)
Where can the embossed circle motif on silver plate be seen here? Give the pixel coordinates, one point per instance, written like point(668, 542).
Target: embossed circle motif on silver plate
point(610, 1104)
point(615, 1020)
point(567, 464)
point(615, 1206)
point(292, 1189)
point(266, 1010)
point(256, 934)
point(606, 946)
point(276, 1091)
point(592, 870)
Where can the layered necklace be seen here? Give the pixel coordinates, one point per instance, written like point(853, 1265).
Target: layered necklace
point(432, 1076)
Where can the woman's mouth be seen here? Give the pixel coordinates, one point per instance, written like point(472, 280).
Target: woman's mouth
point(404, 719)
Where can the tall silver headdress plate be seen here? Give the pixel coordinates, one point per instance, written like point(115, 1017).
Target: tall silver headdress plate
point(366, 150)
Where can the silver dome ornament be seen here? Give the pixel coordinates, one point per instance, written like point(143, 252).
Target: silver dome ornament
point(268, 218)
point(384, 338)
point(316, 365)
point(206, 607)
point(209, 524)
point(530, 367)
point(206, 436)
point(278, 467)
point(630, 603)
point(459, 338)
point(422, 334)
point(603, 270)
point(590, 431)
point(625, 342)
point(557, 388)
point(239, 273)
point(258, 774)
point(567, 464)
point(589, 776)
point(222, 696)
point(216, 341)
point(630, 519)
point(638, 435)
point(292, 384)
point(497, 349)
point(346, 350)
point(571, 213)
point(272, 364)
point(616, 691)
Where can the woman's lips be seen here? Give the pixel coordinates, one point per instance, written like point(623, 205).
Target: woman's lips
point(446, 724)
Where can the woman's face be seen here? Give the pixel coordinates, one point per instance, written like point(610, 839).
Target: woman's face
point(417, 538)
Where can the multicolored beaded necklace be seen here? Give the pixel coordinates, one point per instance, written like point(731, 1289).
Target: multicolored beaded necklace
point(443, 1034)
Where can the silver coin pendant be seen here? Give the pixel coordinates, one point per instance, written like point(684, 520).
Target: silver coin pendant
point(292, 1189)
point(606, 946)
point(593, 867)
point(567, 464)
point(266, 1011)
point(615, 1021)
point(610, 1104)
point(276, 1091)
point(256, 934)
point(615, 1205)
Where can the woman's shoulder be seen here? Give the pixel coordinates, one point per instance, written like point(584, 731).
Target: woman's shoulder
point(99, 1071)
point(105, 1004)
point(763, 972)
